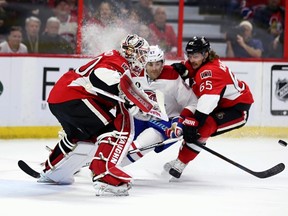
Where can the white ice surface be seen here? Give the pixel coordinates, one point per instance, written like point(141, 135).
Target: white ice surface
point(208, 186)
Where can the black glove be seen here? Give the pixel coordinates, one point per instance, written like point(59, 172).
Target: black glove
point(181, 69)
point(190, 130)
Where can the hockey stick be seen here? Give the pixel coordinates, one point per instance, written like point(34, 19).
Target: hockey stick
point(28, 170)
point(262, 174)
point(171, 140)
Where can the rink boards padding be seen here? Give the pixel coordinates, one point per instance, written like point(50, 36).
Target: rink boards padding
point(52, 132)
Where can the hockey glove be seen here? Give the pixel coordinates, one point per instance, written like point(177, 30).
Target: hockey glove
point(190, 130)
point(181, 69)
point(176, 129)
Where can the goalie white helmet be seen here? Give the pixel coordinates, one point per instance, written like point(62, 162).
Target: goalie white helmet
point(135, 50)
point(155, 54)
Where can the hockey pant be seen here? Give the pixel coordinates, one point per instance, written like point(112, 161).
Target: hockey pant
point(217, 123)
point(147, 133)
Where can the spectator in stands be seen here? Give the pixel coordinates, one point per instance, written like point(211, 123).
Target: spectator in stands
point(105, 15)
point(132, 23)
point(165, 35)
point(145, 11)
point(13, 44)
point(104, 26)
point(145, 32)
point(40, 9)
point(4, 29)
point(123, 7)
point(68, 22)
point(73, 4)
point(31, 35)
point(51, 42)
point(278, 41)
point(240, 42)
point(19, 10)
point(269, 21)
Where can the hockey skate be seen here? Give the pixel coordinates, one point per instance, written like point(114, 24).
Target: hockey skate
point(167, 166)
point(44, 179)
point(104, 189)
point(177, 168)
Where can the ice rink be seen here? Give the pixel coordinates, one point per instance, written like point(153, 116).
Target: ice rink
point(209, 185)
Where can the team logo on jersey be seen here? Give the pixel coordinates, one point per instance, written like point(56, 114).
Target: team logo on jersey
point(151, 95)
point(137, 73)
point(125, 66)
point(282, 89)
point(205, 74)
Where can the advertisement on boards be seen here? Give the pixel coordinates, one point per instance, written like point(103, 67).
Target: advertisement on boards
point(27, 82)
point(279, 90)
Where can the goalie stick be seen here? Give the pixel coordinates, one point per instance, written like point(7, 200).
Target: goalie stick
point(27, 169)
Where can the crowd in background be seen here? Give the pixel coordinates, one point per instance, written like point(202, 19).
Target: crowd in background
point(50, 26)
point(263, 30)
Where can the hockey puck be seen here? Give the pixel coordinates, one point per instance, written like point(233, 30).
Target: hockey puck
point(282, 142)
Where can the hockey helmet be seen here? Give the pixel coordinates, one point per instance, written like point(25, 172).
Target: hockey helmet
point(155, 54)
point(135, 50)
point(197, 45)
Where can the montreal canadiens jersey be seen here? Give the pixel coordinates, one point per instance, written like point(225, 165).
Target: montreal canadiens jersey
point(103, 72)
point(217, 87)
point(177, 94)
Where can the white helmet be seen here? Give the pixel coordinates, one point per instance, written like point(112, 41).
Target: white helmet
point(155, 54)
point(135, 50)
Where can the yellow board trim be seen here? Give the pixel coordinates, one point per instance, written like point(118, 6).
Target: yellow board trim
point(52, 132)
point(29, 132)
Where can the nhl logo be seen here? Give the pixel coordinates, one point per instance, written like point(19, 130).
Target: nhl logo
point(282, 89)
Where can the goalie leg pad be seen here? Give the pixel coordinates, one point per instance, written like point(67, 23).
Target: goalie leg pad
point(63, 147)
point(63, 171)
point(112, 148)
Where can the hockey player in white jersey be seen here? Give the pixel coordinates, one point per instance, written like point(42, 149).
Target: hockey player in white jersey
point(178, 97)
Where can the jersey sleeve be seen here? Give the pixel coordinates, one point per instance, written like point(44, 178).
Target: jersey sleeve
point(185, 96)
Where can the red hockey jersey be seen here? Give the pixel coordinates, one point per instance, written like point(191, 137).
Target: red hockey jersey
point(217, 87)
point(103, 72)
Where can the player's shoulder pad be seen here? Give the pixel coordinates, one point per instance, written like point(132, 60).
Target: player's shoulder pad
point(168, 73)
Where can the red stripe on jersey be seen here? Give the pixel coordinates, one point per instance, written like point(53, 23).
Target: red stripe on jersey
point(135, 147)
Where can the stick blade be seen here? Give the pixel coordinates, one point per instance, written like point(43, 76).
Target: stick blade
point(270, 172)
point(27, 169)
